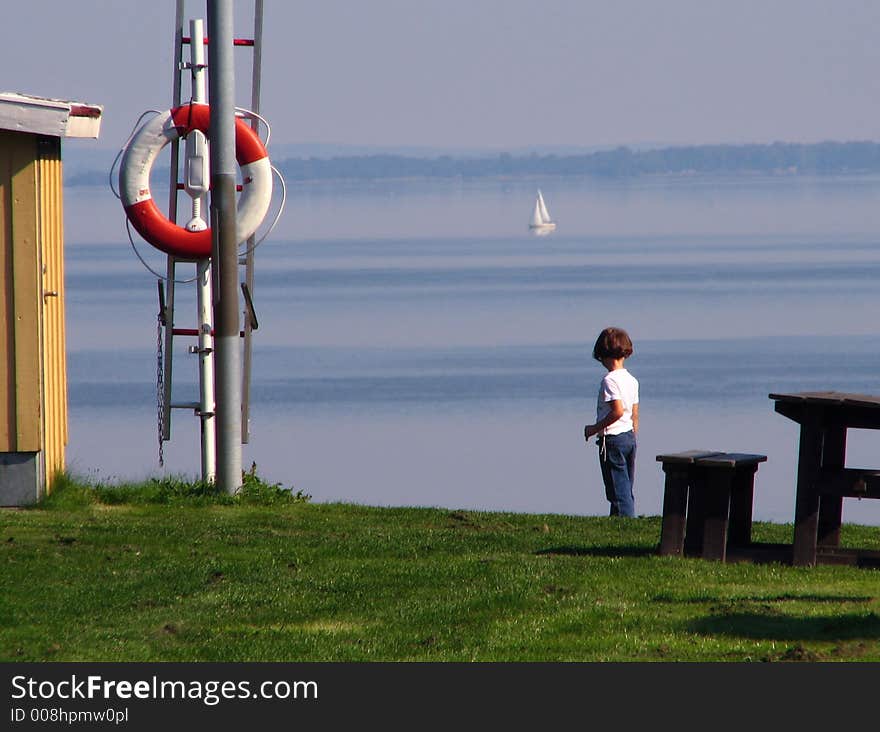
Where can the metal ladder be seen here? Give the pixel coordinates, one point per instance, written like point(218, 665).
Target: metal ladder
point(168, 330)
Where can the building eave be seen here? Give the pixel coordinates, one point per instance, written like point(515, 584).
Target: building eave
point(54, 117)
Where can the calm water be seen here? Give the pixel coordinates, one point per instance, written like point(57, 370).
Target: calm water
point(417, 347)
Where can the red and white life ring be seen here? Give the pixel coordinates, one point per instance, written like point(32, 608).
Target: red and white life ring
point(134, 182)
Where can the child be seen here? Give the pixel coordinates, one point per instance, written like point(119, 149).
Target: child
point(617, 420)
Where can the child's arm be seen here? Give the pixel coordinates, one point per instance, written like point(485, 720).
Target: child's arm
point(609, 419)
point(635, 418)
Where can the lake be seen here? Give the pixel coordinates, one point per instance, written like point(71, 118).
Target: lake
point(417, 346)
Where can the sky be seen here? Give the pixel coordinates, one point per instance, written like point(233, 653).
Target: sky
point(483, 74)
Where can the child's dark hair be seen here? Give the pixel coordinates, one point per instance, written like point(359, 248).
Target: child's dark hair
point(613, 343)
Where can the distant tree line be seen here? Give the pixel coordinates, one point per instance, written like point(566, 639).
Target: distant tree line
point(823, 158)
point(816, 159)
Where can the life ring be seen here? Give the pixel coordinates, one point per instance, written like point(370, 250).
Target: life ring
point(134, 182)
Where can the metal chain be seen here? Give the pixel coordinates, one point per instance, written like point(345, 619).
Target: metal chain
point(160, 389)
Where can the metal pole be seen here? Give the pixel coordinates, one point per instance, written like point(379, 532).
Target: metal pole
point(171, 264)
point(206, 373)
point(196, 182)
point(256, 74)
point(221, 85)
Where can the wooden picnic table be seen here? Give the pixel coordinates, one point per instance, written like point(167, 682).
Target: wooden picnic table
point(707, 502)
point(823, 481)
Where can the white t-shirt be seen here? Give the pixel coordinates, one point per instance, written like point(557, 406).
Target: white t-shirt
point(618, 384)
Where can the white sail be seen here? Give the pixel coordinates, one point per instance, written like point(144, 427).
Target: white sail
point(537, 220)
point(541, 221)
point(545, 216)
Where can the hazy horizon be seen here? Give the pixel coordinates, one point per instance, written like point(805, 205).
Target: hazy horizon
point(487, 75)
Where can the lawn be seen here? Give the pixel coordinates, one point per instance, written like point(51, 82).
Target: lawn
point(152, 574)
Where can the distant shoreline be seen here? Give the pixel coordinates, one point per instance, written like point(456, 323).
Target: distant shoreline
point(777, 159)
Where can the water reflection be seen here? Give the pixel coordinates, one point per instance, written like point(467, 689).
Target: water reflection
point(535, 231)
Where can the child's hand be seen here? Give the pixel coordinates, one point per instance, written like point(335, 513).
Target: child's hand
point(589, 431)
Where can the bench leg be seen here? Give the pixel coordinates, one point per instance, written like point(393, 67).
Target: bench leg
point(831, 507)
point(717, 508)
point(806, 510)
point(830, 519)
point(675, 496)
point(741, 498)
point(696, 514)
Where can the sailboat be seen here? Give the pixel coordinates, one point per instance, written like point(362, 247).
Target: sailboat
point(541, 222)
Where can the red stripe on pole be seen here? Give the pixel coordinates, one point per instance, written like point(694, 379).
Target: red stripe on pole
point(235, 41)
point(182, 187)
point(195, 332)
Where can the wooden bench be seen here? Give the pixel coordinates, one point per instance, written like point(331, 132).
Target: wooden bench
point(707, 502)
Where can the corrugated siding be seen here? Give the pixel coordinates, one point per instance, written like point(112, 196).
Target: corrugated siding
point(54, 345)
point(7, 305)
point(33, 367)
point(20, 305)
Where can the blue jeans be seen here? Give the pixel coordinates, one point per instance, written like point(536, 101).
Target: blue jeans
point(618, 464)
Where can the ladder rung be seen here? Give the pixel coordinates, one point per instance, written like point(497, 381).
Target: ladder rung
point(181, 186)
point(235, 41)
point(195, 332)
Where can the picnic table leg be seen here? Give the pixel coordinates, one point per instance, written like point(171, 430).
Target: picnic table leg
point(696, 514)
point(741, 498)
point(675, 495)
point(806, 511)
point(831, 507)
point(716, 506)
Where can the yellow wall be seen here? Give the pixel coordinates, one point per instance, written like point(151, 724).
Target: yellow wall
point(51, 231)
point(33, 382)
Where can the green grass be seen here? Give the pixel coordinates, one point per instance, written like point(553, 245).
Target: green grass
point(169, 571)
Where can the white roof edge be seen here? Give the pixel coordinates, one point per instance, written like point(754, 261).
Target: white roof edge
point(44, 116)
